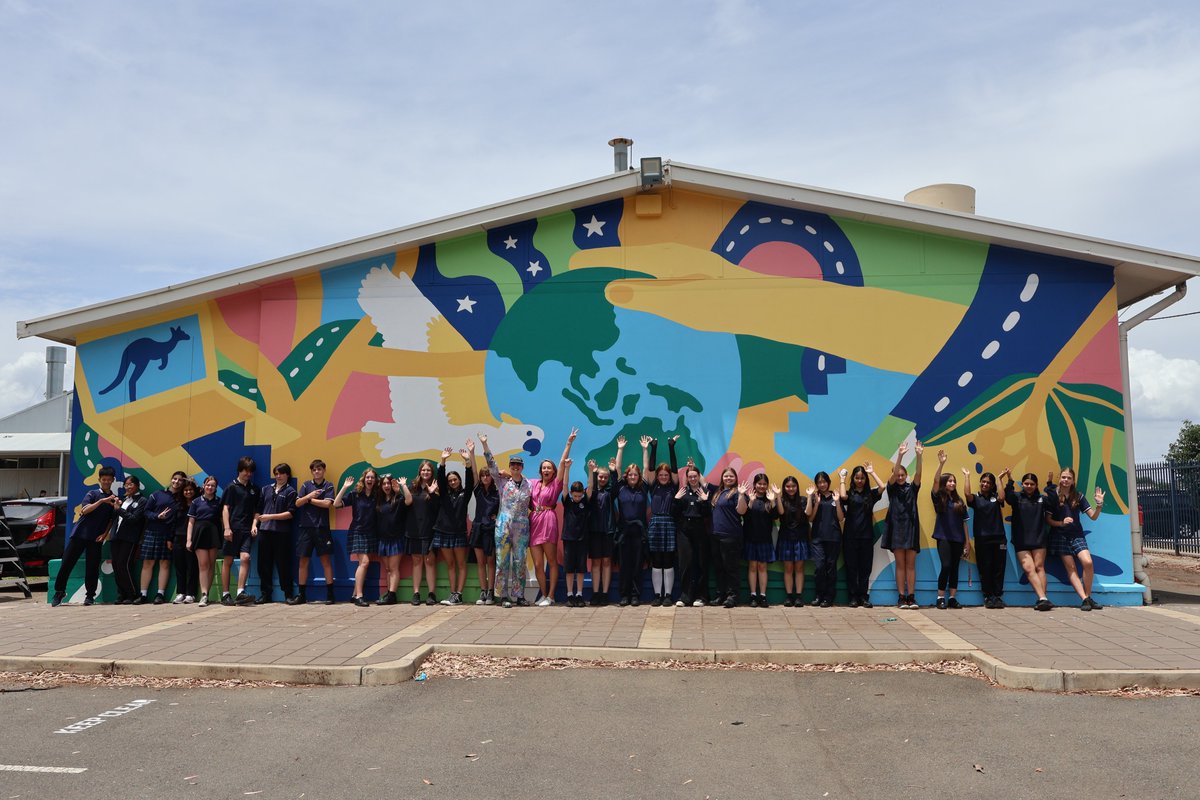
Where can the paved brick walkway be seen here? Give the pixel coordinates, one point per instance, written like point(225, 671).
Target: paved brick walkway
point(1159, 638)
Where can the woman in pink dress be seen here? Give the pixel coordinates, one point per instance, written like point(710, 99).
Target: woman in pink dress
point(543, 522)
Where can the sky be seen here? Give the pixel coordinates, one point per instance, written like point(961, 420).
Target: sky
point(148, 143)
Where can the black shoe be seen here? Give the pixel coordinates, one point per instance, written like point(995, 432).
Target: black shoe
point(431, 600)
point(762, 601)
point(657, 601)
point(866, 603)
point(953, 604)
point(89, 600)
point(988, 602)
point(57, 599)
point(244, 599)
point(998, 602)
point(753, 600)
point(416, 601)
point(1085, 605)
point(595, 601)
point(265, 598)
point(1095, 606)
point(912, 602)
point(296, 600)
point(1043, 605)
point(507, 603)
point(226, 600)
point(139, 600)
point(790, 602)
point(816, 602)
point(159, 599)
point(730, 601)
point(522, 602)
point(941, 603)
point(361, 602)
point(826, 604)
point(853, 602)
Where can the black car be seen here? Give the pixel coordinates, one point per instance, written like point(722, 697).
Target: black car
point(1155, 507)
point(38, 528)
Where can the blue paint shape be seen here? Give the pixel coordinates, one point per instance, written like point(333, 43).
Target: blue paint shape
point(473, 305)
point(762, 223)
point(836, 424)
point(971, 448)
point(596, 225)
point(514, 244)
point(154, 359)
point(218, 452)
point(340, 285)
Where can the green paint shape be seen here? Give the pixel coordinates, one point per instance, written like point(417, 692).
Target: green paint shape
point(652, 427)
point(555, 238)
point(890, 433)
point(376, 340)
point(242, 386)
point(676, 399)
point(85, 449)
point(770, 370)
point(578, 387)
point(584, 409)
point(149, 484)
point(623, 366)
point(309, 357)
point(606, 398)
point(1017, 398)
point(469, 257)
point(629, 404)
point(916, 263)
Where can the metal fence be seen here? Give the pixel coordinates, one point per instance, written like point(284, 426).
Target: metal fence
point(1169, 505)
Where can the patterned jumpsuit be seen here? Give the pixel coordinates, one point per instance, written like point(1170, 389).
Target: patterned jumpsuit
point(512, 533)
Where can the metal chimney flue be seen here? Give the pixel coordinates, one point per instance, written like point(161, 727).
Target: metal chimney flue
point(56, 368)
point(621, 149)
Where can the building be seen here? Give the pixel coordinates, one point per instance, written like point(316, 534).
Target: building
point(34, 441)
point(774, 327)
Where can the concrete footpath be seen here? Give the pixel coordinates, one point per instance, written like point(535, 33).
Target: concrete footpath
point(1062, 650)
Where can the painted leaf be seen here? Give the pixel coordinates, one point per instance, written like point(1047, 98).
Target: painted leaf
point(243, 386)
point(309, 357)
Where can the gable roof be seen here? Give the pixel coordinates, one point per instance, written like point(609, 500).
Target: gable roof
point(1140, 271)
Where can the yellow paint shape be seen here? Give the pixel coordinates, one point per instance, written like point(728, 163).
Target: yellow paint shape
point(755, 430)
point(691, 219)
point(855, 323)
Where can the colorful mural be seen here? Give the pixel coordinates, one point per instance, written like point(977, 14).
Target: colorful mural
point(766, 337)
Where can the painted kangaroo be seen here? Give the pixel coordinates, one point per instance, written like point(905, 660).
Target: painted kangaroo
point(139, 353)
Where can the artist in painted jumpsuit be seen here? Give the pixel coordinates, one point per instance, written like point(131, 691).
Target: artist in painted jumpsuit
point(512, 527)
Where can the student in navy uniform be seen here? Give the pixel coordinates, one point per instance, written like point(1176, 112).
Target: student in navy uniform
point(902, 532)
point(418, 544)
point(123, 541)
point(450, 529)
point(574, 537)
point(728, 505)
point(204, 534)
point(1067, 536)
point(987, 522)
point(826, 516)
point(950, 533)
point(239, 504)
point(631, 531)
point(313, 501)
point(794, 542)
point(362, 536)
point(602, 500)
point(273, 529)
point(187, 569)
point(660, 534)
point(858, 534)
point(758, 525)
point(1029, 511)
point(87, 538)
point(390, 525)
point(483, 536)
point(693, 514)
point(161, 509)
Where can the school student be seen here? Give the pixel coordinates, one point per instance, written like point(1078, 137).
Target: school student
point(483, 536)
point(204, 535)
point(660, 534)
point(543, 523)
point(418, 543)
point(950, 533)
point(858, 535)
point(631, 530)
point(1029, 538)
point(187, 568)
point(602, 502)
point(512, 526)
point(728, 505)
point(362, 536)
point(692, 515)
point(273, 523)
point(793, 545)
point(574, 538)
point(239, 504)
point(161, 509)
point(390, 525)
point(450, 530)
point(123, 541)
point(313, 501)
point(87, 538)
point(902, 531)
point(758, 525)
point(987, 523)
point(826, 516)
point(1067, 536)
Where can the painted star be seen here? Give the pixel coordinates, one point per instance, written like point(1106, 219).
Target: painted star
point(510, 243)
point(467, 304)
point(595, 226)
point(534, 267)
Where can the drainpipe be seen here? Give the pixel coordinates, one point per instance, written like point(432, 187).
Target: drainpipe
point(1139, 557)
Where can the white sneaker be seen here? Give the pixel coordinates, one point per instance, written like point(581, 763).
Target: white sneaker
point(188, 599)
point(480, 601)
point(697, 604)
point(204, 601)
point(679, 604)
point(178, 599)
point(546, 601)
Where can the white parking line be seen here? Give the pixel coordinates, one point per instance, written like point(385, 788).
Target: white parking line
point(25, 768)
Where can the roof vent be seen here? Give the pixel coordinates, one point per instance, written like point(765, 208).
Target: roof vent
point(621, 148)
point(949, 196)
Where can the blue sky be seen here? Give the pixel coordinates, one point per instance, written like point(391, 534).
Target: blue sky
point(148, 143)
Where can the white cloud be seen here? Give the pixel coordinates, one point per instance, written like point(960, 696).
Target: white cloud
point(22, 382)
point(1162, 388)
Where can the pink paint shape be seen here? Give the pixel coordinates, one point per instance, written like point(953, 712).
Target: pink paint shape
point(745, 469)
point(782, 258)
point(278, 331)
point(364, 398)
point(241, 313)
point(1098, 362)
point(110, 450)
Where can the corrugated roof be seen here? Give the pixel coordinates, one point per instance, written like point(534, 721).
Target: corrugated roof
point(1140, 271)
point(12, 444)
